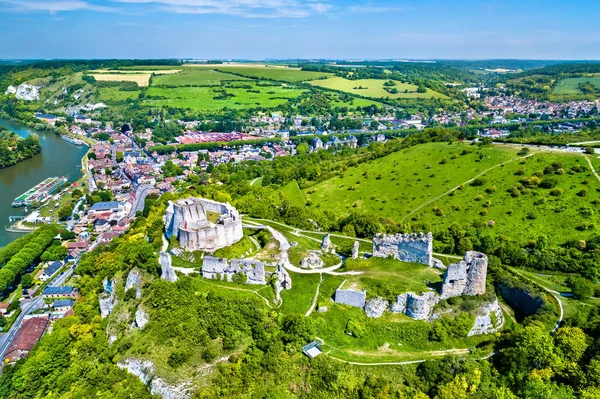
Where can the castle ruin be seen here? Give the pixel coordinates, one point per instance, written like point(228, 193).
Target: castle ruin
point(219, 269)
point(189, 220)
point(466, 277)
point(413, 248)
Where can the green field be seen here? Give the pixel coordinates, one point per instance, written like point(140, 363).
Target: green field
point(505, 195)
point(273, 73)
point(293, 193)
point(374, 88)
point(569, 86)
point(113, 94)
point(194, 76)
point(203, 98)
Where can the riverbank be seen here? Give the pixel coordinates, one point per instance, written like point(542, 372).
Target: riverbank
point(58, 158)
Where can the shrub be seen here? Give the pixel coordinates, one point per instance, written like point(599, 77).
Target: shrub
point(490, 189)
point(582, 193)
point(557, 192)
point(479, 181)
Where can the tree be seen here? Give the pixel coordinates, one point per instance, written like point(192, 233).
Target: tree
point(580, 287)
point(572, 341)
point(27, 281)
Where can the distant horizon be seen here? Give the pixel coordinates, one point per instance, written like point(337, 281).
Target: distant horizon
point(300, 29)
point(312, 60)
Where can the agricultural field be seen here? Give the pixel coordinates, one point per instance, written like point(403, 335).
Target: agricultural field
point(570, 86)
point(142, 79)
point(273, 73)
point(551, 193)
point(194, 76)
point(213, 99)
point(115, 94)
point(374, 88)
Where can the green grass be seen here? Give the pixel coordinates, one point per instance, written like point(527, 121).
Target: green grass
point(111, 95)
point(293, 193)
point(569, 86)
point(241, 249)
point(374, 88)
point(194, 76)
point(395, 185)
point(203, 98)
point(299, 299)
point(389, 277)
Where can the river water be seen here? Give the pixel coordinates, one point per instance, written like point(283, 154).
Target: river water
point(58, 158)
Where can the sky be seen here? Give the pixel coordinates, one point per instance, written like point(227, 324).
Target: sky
point(300, 29)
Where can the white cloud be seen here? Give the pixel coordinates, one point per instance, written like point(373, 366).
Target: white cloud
point(54, 6)
point(374, 9)
point(241, 8)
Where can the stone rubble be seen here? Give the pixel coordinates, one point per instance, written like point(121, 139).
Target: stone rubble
point(483, 322)
point(312, 261)
point(413, 248)
point(375, 307)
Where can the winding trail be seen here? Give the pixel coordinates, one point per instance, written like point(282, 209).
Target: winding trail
point(316, 298)
point(592, 167)
point(467, 182)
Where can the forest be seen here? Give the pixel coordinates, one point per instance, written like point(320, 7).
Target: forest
point(14, 149)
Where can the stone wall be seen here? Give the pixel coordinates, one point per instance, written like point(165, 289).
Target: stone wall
point(351, 297)
point(467, 277)
point(219, 268)
point(413, 248)
point(418, 307)
point(187, 220)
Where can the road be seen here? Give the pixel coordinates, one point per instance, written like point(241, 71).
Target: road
point(140, 197)
point(30, 306)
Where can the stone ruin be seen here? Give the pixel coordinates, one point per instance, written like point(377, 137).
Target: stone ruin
point(484, 324)
point(167, 272)
point(413, 248)
point(415, 306)
point(466, 277)
point(355, 249)
point(283, 281)
point(312, 261)
point(327, 245)
point(220, 269)
point(375, 307)
point(188, 221)
point(350, 297)
point(134, 280)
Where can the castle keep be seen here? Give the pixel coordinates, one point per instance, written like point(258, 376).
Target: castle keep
point(413, 248)
point(466, 277)
point(188, 220)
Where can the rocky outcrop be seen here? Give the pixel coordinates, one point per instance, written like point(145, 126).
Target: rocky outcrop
point(522, 298)
point(283, 281)
point(134, 280)
point(414, 248)
point(312, 261)
point(467, 277)
point(355, 249)
point(108, 300)
point(167, 272)
point(145, 371)
point(24, 91)
point(141, 318)
point(438, 264)
point(375, 307)
point(489, 319)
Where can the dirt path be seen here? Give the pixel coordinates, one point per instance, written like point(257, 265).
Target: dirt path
point(254, 181)
point(467, 182)
point(316, 298)
point(592, 167)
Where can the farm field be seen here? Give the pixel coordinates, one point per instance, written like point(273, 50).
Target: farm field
point(569, 86)
point(374, 88)
point(114, 94)
point(273, 73)
point(138, 71)
point(142, 79)
point(509, 198)
point(203, 98)
point(194, 76)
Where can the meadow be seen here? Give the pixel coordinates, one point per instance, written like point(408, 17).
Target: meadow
point(194, 76)
point(374, 88)
point(114, 94)
point(213, 98)
point(273, 73)
point(569, 86)
point(551, 193)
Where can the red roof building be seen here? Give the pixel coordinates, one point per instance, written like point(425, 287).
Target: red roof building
point(29, 334)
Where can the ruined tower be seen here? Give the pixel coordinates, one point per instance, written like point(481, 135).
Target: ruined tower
point(466, 277)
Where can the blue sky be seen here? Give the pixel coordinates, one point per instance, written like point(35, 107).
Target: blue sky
point(334, 29)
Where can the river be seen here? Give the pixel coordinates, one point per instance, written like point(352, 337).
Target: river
point(58, 158)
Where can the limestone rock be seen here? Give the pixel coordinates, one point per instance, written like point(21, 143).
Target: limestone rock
point(167, 272)
point(355, 250)
point(134, 280)
point(485, 323)
point(322, 309)
point(399, 305)
point(414, 248)
point(375, 307)
point(141, 318)
point(419, 307)
point(108, 300)
point(312, 261)
point(145, 371)
point(10, 90)
point(438, 264)
point(27, 92)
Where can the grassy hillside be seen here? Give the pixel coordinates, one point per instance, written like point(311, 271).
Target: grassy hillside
point(570, 86)
point(374, 88)
point(274, 73)
point(548, 193)
point(194, 76)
